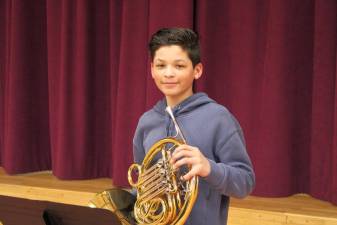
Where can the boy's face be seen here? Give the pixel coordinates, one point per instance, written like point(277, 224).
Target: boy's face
point(173, 73)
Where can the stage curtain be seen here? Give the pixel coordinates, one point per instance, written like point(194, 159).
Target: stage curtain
point(75, 78)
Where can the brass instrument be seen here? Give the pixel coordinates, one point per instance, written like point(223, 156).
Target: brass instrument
point(162, 196)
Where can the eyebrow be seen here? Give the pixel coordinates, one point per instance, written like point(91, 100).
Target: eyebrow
point(177, 60)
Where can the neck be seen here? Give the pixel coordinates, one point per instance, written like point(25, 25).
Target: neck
point(172, 101)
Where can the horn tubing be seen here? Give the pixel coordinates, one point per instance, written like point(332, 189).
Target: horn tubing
point(169, 111)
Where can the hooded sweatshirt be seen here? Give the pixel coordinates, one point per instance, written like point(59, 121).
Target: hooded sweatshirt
point(213, 129)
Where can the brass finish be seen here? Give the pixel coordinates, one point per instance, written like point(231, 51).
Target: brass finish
point(118, 201)
point(163, 197)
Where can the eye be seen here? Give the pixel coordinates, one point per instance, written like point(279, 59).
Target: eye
point(160, 66)
point(180, 66)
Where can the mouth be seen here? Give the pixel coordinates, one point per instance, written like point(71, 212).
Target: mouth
point(169, 84)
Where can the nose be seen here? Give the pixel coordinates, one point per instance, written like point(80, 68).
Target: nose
point(169, 72)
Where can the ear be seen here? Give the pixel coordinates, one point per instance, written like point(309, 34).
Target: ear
point(152, 72)
point(198, 71)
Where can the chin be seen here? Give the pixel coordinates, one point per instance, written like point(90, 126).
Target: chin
point(170, 93)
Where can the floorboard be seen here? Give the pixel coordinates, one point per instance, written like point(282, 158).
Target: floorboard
point(299, 209)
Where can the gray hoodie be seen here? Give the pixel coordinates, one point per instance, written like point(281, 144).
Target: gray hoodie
point(213, 129)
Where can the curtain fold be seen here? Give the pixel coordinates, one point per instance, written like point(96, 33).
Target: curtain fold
point(25, 117)
point(323, 152)
point(79, 72)
point(130, 99)
point(3, 38)
point(75, 78)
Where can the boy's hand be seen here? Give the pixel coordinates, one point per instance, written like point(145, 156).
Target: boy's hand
point(188, 155)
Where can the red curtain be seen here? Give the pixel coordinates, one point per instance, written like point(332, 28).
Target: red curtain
point(74, 79)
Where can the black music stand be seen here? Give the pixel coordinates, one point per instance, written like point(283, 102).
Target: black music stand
point(19, 211)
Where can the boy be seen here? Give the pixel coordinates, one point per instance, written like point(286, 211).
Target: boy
point(216, 150)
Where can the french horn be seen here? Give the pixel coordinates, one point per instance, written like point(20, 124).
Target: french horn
point(163, 197)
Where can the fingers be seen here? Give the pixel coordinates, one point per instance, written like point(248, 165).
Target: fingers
point(193, 172)
point(183, 147)
point(191, 156)
point(184, 161)
point(184, 150)
point(180, 154)
point(184, 154)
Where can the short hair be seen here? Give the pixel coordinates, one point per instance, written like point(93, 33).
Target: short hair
point(186, 38)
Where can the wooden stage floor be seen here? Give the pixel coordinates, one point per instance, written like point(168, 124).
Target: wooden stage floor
point(299, 209)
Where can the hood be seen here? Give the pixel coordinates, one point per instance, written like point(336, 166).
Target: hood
point(189, 104)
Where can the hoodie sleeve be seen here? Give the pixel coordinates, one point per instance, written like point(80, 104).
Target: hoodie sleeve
point(138, 149)
point(231, 172)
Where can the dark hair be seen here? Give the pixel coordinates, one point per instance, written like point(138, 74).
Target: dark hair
point(186, 38)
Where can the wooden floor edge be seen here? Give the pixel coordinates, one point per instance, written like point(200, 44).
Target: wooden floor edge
point(261, 211)
point(293, 210)
point(79, 198)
